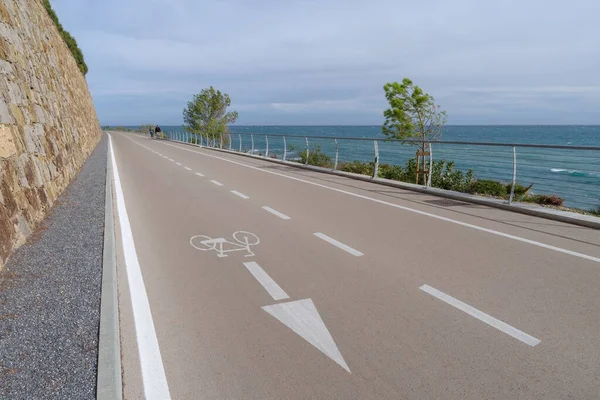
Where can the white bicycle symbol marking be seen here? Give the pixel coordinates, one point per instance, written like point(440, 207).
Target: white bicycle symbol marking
point(243, 241)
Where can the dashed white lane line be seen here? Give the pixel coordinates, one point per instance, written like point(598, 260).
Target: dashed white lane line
point(188, 168)
point(242, 195)
point(275, 212)
point(153, 373)
point(338, 244)
point(480, 315)
point(217, 183)
point(199, 174)
point(276, 292)
point(178, 163)
point(170, 159)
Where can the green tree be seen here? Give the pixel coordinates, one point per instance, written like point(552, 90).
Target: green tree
point(207, 114)
point(413, 114)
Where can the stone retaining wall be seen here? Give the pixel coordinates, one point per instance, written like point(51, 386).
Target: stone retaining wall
point(48, 124)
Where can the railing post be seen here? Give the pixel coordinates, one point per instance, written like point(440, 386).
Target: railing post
point(307, 151)
point(240, 135)
point(252, 149)
point(267, 151)
point(514, 177)
point(221, 141)
point(284, 149)
point(230, 142)
point(336, 155)
point(376, 168)
point(430, 165)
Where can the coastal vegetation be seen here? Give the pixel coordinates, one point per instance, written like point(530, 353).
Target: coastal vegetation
point(207, 116)
point(444, 175)
point(413, 114)
point(68, 38)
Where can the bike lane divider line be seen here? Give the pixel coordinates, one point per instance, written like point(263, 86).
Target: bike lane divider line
point(480, 315)
point(187, 168)
point(242, 195)
point(199, 174)
point(274, 290)
point(217, 183)
point(276, 213)
point(153, 372)
point(338, 244)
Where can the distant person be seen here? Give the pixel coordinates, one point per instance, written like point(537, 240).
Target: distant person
point(157, 130)
point(151, 132)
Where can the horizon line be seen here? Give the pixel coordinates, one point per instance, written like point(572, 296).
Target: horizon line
point(363, 125)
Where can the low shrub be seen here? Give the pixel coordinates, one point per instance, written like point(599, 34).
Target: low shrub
point(316, 157)
point(545, 199)
point(357, 167)
point(388, 171)
point(520, 190)
point(444, 176)
point(489, 188)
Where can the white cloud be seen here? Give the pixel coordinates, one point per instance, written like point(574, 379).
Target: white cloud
point(330, 58)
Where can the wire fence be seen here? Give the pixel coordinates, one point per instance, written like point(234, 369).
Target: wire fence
point(546, 174)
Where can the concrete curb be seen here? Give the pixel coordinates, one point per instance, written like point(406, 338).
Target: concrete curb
point(537, 211)
point(109, 383)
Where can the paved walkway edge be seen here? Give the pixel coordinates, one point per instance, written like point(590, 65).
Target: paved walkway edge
point(547, 213)
point(109, 383)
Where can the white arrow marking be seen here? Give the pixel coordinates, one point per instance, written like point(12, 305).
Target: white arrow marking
point(276, 292)
point(302, 317)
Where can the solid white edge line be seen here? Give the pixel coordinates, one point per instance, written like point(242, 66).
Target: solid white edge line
point(480, 315)
point(199, 174)
point(360, 196)
point(275, 212)
point(187, 168)
point(153, 372)
point(242, 195)
point(274, 290)
point(338, 244)
point(216, 183)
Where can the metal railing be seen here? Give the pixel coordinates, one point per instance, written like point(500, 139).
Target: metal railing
point(568, 172)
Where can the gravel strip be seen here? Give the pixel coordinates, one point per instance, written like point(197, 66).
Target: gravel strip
point(50, 296)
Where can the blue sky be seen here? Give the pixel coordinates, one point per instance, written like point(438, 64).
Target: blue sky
point(326, 61)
